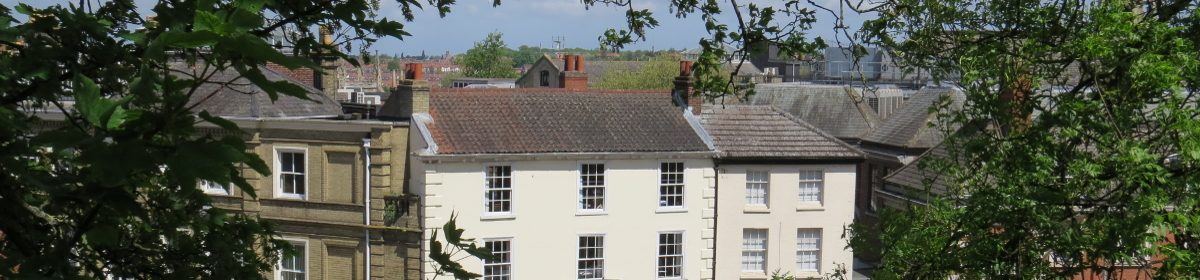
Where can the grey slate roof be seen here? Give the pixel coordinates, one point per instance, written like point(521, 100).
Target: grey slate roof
point(762, 132)
point(227, 95)
point(909, 127)
point(840, 111)
point(547, 120)
point(914, 176)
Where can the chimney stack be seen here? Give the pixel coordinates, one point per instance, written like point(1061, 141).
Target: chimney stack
point(682, 93)
point(573, 78)
point(327, 79)
point(568, 63)
point(410, 97)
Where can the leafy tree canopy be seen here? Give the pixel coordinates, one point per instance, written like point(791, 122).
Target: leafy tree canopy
point(490, 58)
point(1080, 142)
point(109, 187)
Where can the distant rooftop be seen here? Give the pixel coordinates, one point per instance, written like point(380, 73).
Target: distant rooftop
point(226, 94)
point(839, 110)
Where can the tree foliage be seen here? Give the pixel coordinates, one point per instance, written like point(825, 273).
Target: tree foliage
point(111, 187)
point(1055, 172)
point(654, 74)
point(489, 58)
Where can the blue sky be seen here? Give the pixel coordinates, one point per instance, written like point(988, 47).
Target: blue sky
point(535, 22)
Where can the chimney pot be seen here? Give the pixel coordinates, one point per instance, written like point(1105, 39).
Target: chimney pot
point(685, 68)
point(326, 35)
point(568, 63)
point(418, 71)
point(579, 63)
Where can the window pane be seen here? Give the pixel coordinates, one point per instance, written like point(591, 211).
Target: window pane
point(501, 267)
point(808, 249)
point(811, 183)
point(591, 257)
point(670, 255)
point(756, 188)
point(754, 250)
point(498, 194)
point(670, 190)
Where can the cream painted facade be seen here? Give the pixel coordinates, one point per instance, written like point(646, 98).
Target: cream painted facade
point(783, 218)
point(545, 222)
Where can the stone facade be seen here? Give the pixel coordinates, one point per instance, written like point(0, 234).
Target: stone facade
point(329, 217)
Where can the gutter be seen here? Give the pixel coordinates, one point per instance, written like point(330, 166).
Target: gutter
point(593, 155)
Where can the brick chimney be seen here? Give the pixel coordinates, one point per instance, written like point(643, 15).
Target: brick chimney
point(411, 96)
point(327, 81)
point(683, 91)
point(573, 78)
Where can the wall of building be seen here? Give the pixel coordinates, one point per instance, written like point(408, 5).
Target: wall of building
point(330, 217)
point(545, 221)
point(782, 218)
point(532, 77)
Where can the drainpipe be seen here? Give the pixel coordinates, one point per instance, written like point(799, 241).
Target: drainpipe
point(367, 204)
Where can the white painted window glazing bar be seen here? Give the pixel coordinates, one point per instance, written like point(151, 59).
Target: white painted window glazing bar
point(811, 183)
point(808, 250)
point(670, 185)
point(757, 188)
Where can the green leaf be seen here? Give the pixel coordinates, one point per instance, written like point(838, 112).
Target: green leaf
point(103, 235)
point(180, 39)
point(89, 102)
point(117, 118)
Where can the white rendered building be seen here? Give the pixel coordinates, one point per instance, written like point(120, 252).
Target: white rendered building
point(567, 184)
point(786, 192)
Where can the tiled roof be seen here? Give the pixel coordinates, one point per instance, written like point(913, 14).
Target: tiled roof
point(500, 121)
point(909, 127)
point(762, 132)
point(840, 111)
point(227, 95)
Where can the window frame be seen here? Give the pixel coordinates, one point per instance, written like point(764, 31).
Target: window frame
point(603, 187)
point(682, 185)
point(487, 190)
point(579, 256)
point(818, 233)
point(278, 168)
point(765, 251)
point(766, 188)
point(207, 187)
point(279, 264)
point(544, 78)
point(484, 263)
point(802, 195)
point(682, 260)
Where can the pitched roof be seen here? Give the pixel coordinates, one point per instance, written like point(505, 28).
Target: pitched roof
point(762, 132)
point(226, 94)
point(501, 121)
point(841, 111)
point(915, 175)
point(909, 127)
